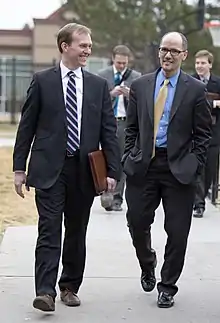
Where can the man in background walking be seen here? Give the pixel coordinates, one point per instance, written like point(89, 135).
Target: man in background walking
point(203, 65)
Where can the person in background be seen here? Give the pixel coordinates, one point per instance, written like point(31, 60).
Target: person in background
point(119, 77)
point(203, 66)
point(167, 135)
point(66, 115)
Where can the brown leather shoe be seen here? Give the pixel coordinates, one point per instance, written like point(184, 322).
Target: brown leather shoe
point(69, 298)
point(44, 303)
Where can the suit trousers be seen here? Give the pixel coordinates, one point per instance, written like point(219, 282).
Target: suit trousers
point(119, 190)
point(63, 198)
point(143, 195)
point(207, 177)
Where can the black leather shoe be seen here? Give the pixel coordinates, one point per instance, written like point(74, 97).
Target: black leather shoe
point(165, 300)
point(198, 213)
point(148, 280)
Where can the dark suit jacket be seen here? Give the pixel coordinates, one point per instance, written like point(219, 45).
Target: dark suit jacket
point(190, 121)
point(43, 122)
point(213, 86)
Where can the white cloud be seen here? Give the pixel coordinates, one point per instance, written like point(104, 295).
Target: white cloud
point(15, 13)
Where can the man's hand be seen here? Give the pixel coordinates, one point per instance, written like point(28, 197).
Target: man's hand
point(125, 91)
point(116, 91)
point(20, 180)
point(111, 183)
point(216, 104)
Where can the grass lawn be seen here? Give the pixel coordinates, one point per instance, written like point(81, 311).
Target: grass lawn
point(13, 209)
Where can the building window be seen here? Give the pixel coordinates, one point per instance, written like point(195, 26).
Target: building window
point(15, 74)
point(95, 64)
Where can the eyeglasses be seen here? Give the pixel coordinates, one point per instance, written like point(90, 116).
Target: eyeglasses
point(173, 51)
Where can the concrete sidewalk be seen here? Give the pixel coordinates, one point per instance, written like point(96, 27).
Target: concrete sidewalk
point(111, 290)
point(7, 142)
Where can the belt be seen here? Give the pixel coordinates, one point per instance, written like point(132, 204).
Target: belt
point(160, 150)
point(75, 154)
point(120, 118)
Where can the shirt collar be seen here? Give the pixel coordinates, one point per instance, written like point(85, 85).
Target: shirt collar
point(206, 78)
point(173, 79)
point(115, 71)
point(65, 70)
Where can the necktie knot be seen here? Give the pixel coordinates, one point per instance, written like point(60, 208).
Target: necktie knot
point(117, 76)
point(71, 74)
point(166, 82)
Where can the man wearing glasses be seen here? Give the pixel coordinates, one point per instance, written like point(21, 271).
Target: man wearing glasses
point(167, 136)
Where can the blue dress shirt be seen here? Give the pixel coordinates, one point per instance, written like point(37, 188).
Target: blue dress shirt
point(161, 139)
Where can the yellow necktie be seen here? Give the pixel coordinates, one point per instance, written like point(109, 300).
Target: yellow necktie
point(158, 109)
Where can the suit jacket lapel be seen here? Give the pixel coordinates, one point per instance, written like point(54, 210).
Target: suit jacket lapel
point(58, 89)
point(196, 76)
point(212, 81)
point(112, 77)
point(87, 84)
point(181, 89)
point(150, 95)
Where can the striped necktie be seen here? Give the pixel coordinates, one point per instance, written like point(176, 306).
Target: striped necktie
point(205, 81)
point(117, 82)
point(158, 109)
point(72, 115)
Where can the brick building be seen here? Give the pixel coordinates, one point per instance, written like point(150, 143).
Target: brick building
point(29, 49)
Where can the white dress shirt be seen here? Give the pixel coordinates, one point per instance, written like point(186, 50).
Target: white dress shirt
point(79, 89)
point(121, 107)
point(205, 79)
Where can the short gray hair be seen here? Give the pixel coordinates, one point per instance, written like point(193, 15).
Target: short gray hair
point(183, 37)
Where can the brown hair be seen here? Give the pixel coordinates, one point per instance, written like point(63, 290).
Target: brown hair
point(121, 50)
point(205, 53)
point(65, 34)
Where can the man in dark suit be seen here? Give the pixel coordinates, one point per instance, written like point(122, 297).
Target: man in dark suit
point(119, 78)
point(167, 113)
point(67, 114)
point(203, 65)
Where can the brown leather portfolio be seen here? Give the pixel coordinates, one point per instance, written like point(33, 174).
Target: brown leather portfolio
point(212, 96)
point(99, 170)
